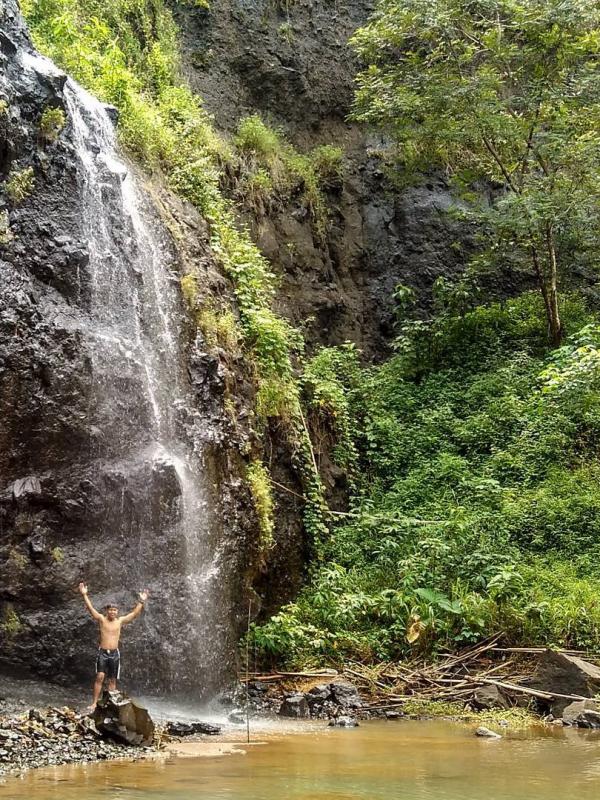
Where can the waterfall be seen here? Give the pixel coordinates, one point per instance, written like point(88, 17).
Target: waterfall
point(158, 523)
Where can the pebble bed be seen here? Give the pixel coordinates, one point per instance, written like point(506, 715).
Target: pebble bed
point(41, 738)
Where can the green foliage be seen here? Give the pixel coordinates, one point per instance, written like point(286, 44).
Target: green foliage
point(576, 365)
point(505, 93)
point(11, 625)
point(20, 184)
point(51, 123)
point(475, 506)
point(259, 481)
point(58, 555)
point(331, 382)
point(270, 172)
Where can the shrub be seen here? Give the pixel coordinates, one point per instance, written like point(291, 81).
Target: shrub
point(327, 161)
point(11, 625)
point(254, 136)
point(51, 124)
point(20, 184)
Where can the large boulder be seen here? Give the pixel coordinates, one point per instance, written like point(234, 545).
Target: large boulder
point(589, 719)
point(558, 673)
point(486, 733)
point(294, 705)
point(119, 717)
point(343, 722)
point(488, 697)
point(345, 695)
point(333, 699)
point(192, 728)
point(576, 714)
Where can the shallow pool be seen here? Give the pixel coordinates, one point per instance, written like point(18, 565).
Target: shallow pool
point(389, 760)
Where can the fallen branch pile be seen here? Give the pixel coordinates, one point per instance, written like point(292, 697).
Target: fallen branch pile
point(454, 678)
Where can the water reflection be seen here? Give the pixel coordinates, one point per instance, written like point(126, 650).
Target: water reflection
point(391, 761)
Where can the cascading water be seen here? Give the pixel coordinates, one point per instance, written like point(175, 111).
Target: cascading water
point(143, 421)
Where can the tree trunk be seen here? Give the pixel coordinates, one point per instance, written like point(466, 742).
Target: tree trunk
point(554, 318)
point(549, 291)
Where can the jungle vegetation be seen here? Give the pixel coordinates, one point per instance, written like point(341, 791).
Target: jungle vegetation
point(473, 451)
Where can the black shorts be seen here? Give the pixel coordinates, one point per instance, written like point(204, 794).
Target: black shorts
point(109, 662)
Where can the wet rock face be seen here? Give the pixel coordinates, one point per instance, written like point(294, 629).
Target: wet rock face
point(84, 492)
point(66, 509)
point(41, 361)
point(291, 63)
point(44, 372)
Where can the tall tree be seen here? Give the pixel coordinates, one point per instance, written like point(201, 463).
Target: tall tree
point(505, 91)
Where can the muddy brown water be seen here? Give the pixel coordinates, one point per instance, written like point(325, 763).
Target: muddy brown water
point(391, 760)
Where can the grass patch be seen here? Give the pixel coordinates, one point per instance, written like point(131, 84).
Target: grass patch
point(498, 719)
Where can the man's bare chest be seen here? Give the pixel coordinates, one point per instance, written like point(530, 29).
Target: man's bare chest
point(110, 627)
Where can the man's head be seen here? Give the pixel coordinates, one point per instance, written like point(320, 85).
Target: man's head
point(111, 611)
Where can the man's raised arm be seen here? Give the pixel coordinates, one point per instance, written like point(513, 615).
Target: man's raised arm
point(137, 610)
point(88, 603)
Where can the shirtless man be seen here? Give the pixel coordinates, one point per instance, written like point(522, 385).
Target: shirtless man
point(108, 660)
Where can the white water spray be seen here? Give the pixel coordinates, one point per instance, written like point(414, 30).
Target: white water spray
point(141, 401)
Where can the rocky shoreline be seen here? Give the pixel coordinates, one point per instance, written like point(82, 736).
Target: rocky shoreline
point(57, 736)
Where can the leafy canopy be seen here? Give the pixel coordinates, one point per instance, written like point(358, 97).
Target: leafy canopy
point(501, 92)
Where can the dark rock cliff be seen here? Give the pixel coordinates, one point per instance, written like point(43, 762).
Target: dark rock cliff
point(85, 495)
point(291, 63)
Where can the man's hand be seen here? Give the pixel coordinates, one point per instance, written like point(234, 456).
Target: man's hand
point(142, 597)
point(88, 603)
